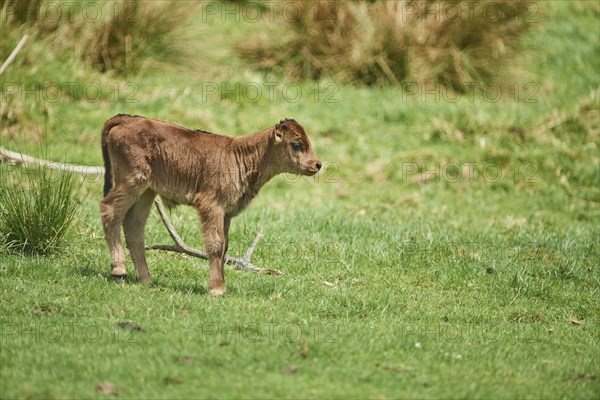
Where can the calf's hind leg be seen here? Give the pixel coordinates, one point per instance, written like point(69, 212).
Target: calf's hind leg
point(113, 209)
point(133, 225)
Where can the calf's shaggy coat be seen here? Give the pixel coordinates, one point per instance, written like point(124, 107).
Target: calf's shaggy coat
point(217, 174)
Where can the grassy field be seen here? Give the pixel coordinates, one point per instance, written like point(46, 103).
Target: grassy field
point(449, 250)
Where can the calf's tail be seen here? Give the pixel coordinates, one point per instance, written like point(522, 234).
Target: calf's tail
point(107, 169)
point(108, 125)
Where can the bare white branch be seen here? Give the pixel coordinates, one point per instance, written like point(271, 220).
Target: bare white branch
point(22, 160)
point(14, 53)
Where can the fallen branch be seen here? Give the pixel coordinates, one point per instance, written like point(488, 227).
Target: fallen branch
point(242, 264)
point(14, 53)
point(25, 161)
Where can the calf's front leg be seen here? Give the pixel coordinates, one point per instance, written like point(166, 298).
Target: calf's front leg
point(215, 228)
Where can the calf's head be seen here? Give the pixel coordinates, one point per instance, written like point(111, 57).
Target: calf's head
point(294, 151)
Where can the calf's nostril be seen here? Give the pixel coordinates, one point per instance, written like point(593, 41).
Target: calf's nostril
point(318, 165)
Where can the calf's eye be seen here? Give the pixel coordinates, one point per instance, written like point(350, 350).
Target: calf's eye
point(296, 146)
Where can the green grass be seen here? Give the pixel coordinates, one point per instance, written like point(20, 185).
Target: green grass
point(36, 208)
point(402, 279)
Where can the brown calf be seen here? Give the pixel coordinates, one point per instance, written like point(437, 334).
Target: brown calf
point(219, 175)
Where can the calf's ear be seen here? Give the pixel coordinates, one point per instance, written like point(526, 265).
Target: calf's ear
point(277, 134)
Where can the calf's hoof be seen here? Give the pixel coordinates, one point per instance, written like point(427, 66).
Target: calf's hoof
point(146, 281)
point(217, 291)
point(118, 271)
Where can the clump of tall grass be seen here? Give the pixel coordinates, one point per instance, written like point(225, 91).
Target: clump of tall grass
point(387, 42)
point(19, 11)
point(123, 36)
point(141, 34)
point(37, 207)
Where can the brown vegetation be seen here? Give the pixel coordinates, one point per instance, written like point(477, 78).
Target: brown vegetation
point(387, 42)
point(122, 35)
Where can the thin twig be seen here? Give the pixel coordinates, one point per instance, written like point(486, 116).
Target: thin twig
point(176, 238)
point(387, 70)
point(13, 54)
point(252, 247)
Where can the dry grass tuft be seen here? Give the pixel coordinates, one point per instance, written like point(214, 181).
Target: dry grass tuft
point(387, 42)
point(130, 40)
point(123, 36)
